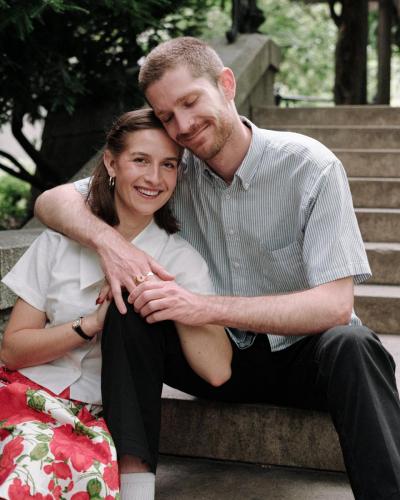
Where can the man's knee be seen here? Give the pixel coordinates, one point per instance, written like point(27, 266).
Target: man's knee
point(348, 344)
point(352, 346)
point(350, 335)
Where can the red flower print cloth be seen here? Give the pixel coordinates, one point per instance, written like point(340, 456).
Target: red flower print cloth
point(52, 448)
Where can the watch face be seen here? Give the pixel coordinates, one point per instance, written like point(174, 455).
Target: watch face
point(76, 323)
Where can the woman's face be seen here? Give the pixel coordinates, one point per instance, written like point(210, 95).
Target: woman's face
point(145, 172)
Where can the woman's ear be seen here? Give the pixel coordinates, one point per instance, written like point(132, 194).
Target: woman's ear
point(109, 162)
point(227, 83)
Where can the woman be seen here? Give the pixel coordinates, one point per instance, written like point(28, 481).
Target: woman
point(53, 443)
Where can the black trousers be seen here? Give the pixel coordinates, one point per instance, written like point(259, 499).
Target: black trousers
point(345, 371)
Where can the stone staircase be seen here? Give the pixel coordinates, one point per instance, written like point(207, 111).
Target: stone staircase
point(367, 140)
point(257, 452)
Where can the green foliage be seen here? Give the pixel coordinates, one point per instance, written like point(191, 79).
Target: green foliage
point(14, 196)
point(307, 37)
point(58, 54)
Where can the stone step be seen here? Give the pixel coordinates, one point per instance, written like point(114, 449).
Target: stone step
point(378, 307)
point(339, 115)
point(200, 479)
point(375, 192)
point(370, 162)
point(347, 137)
point(379, 224)
point(384, 259)
point(253, 433)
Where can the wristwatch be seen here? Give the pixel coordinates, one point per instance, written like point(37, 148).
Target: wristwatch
point(77, 326)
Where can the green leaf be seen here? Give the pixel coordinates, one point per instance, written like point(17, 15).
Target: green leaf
point(93, 487)
point(39, 451)
point(37, 402)
point(43, 437)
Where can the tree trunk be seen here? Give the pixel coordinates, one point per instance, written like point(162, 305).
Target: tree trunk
point(351, 52)
point(386, 14)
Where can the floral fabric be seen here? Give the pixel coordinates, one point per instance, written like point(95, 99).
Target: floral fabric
point(53, 448)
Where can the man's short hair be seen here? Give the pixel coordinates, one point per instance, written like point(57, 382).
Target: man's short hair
point(196, 55)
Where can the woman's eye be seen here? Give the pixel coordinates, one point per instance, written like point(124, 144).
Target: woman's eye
point(139, 160)
point(170, 165)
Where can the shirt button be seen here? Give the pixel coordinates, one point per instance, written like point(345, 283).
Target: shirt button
point(236, 264)
point(246, 186)
point(228, 196)
point(231, 231)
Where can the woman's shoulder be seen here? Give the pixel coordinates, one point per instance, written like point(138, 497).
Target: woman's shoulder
point(51, 240)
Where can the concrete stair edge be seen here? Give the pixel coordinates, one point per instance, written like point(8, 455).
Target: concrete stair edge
point(253, 433)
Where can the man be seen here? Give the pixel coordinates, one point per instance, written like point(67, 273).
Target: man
point(271, 213)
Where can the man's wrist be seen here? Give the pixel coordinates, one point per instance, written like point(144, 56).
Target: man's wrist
point(102, 236)
point(210, 309)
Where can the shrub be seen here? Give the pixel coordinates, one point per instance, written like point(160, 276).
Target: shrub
point(14, 196)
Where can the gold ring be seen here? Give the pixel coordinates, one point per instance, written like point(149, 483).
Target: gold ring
point(139, 279)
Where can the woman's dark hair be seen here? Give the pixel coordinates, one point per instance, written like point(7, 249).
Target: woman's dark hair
point(100, 197)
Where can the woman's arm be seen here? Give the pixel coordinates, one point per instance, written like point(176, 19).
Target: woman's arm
point(208, 351)
point(27, 342)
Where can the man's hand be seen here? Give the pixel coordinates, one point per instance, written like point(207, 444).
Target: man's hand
point(122, 263)
point(165, 300)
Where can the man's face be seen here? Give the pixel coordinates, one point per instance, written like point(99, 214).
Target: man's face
point(195, 113)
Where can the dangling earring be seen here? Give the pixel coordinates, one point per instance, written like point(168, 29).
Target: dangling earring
point(111, 182)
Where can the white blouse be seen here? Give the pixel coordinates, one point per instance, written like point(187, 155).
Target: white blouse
point(62, 278)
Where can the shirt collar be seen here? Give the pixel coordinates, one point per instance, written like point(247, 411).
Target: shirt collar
point(251, 161)
point(152, 240)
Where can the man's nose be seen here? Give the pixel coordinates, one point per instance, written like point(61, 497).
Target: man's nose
point(184, 123)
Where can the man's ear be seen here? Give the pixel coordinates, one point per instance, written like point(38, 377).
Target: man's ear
point(109, 162)
point(227, 83)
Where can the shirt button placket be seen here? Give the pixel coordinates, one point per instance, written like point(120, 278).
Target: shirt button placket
point(230, 231)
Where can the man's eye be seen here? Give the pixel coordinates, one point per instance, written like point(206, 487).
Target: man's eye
point(190, 102)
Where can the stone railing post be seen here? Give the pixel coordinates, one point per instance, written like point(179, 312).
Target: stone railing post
point(255, 60)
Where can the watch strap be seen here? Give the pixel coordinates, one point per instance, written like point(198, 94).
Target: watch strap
point(76, 326)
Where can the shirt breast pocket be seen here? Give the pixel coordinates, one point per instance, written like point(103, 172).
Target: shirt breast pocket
point(284, 268)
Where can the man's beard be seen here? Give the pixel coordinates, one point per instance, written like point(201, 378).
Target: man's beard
point(223, 130)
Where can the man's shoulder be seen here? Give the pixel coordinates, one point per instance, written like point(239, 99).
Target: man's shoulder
point(291, 146)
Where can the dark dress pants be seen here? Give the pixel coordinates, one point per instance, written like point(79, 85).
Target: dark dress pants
point(345, 371)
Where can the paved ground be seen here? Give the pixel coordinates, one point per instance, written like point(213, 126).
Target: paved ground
point(199, 479)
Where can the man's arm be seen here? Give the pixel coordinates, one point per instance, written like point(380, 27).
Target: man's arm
point(64, 209)
point(299, 313)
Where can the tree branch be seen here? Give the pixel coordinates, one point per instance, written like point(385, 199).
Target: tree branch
point(338, 20)
point(23, 176)
point(13, 160)
point(43, 166)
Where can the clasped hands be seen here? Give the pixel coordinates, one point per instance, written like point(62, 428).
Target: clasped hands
point(152, 291)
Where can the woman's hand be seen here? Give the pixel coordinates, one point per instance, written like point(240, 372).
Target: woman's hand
point(93, 323)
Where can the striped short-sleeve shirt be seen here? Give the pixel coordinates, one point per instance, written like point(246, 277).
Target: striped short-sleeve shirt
point(286, 222)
